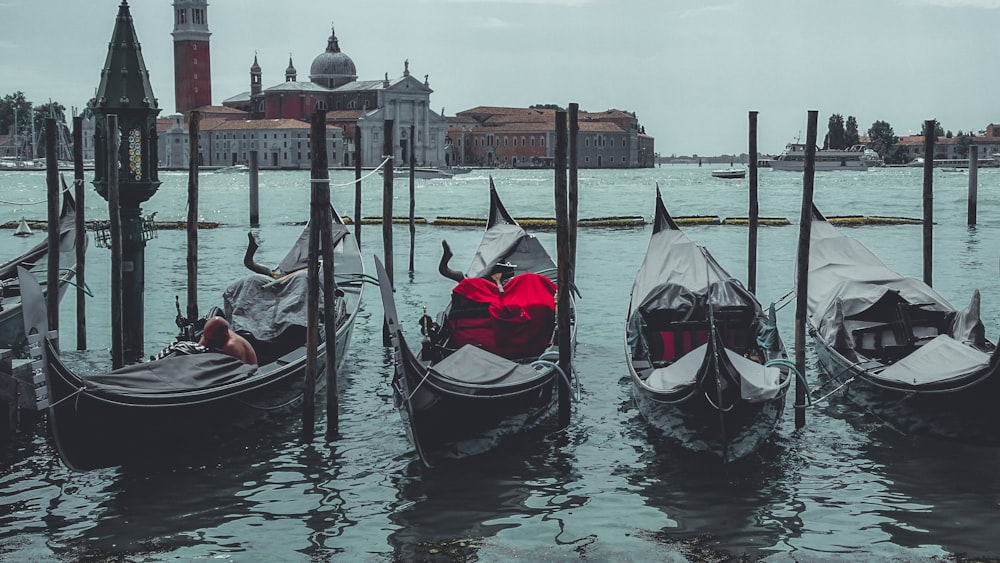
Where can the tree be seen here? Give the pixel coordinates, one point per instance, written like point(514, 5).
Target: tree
point(962, 143)
point(938, 130)
point(544, 106)
point(10, 105)
point(835, 133)
point(883, 138)
point(851, 136)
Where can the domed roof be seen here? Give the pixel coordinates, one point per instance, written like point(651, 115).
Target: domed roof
point(332, 68)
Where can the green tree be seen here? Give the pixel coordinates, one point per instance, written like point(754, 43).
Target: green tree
point(10, 105)
point(544, 106)
point(883, 139)
point(962, 143)
point(897, 155)
point(851, 136)
point(835, 133)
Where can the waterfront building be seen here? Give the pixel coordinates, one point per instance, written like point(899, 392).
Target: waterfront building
point(525, 138)
point(988, 141)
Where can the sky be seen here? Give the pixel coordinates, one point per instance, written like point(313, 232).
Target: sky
point(690, 71)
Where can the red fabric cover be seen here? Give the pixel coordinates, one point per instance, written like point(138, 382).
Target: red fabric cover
point(520, 320)
point(668, 339)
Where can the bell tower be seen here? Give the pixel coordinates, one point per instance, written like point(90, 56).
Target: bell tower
point(192, 59)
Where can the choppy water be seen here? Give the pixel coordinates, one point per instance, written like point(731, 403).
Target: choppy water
point(607, 488)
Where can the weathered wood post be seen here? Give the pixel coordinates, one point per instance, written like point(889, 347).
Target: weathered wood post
point(573, 192)
point(357, 185)
point(318, 175)
point(563, 263)
point(52, 183)
point(973, 182)
point(754, 211)
point(115, 232)
point(192, 216)
point(388, 153)
point(413, 196)
point(254, 189)
point(802, 267)
point(930, 126)
point(81, 236)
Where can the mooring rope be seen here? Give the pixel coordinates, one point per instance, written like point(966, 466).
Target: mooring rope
point(351, 183)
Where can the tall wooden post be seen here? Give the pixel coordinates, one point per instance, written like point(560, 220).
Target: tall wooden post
point(973, 182)
point(573, 192)
point(115, 230)
point(563, 262)
point(802, 269)
point(388, 150)
point(357, 185)
point(192, 217)
point(254, 189)
point(930, 126)
point(52, 183)
point(413, 196)
point(317, 215)
point(81, 236)
point(754, 211)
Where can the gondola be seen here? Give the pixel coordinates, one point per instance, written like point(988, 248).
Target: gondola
point(896, 347)
point(188, 401)
point(36, 260)
point(707, 365)
point(487, 369)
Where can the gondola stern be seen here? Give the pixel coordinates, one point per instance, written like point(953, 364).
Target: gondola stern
point(662, 220)
point(498, 213)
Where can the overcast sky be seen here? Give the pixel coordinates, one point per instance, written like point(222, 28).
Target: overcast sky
point(691, 71)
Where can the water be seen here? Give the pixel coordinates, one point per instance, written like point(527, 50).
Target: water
point(607, 488)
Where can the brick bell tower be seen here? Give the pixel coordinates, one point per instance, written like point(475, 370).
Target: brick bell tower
point(192, 61)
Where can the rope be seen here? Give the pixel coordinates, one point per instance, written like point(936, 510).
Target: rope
point(552, 365)
point(372, 173)
point(46, 200)
point(72, 395)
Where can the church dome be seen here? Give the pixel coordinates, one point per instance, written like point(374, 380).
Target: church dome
point(332, 68)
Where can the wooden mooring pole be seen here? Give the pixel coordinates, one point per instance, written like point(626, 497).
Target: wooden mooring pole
point(192, 217)
point(81, 236)
point(115, 232)
point(357, 185)
point(802, 270)
point(929, 127)
point(973, 182)
point(387, 155)
point(254, 190)
point(324, 212)
point(573, 192)
point(52, 183)
point(754, 211)
point(563, 333)
point(413, 196)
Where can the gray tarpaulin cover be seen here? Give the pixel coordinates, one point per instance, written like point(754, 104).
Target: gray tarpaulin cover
point(265, 307)
point(757, 383)
point(511, 243)
point(846, 279)
point(676, 273)
point(470, 364)
point(174, 374)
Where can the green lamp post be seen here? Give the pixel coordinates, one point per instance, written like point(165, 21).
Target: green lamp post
point(125, 91)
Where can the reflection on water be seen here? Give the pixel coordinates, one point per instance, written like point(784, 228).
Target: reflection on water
point(606, 488)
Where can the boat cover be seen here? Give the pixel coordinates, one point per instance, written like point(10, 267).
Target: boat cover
point(298, 257)
point(846, 279)
point(941, 360)
point(266, 308)
point(518, 322)
point(473, 365)
point(757, 383)
point(511, 243)
point(691, 272)
point(174, 374)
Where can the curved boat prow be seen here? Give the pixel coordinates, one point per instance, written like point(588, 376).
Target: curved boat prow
point(498, 213)
point(662, 221)
point(33, 308)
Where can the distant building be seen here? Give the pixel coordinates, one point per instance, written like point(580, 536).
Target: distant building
point(988, 141)
point(525, 138)
point(351, 104)
point(192, 57)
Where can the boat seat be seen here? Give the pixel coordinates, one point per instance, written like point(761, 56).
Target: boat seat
point(676, 340)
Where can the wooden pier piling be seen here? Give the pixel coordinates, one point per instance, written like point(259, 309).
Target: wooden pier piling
point(81, 235)
point(929, 127)
point(357, 185)
point(563, 262)
point(754, 211)
point(573, 191)
point(387, 156)
point(254, 190)
point(413, 198)
point(973, 182)
point(192, 217)
point(115, 231)
point(802, 268)
point(52, 183)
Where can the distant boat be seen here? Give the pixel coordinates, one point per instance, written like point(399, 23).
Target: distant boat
point(730, 173)
point(23, 230)
point(234, 169)
point(955, 163)
point(794, 158)
point(423, 173)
